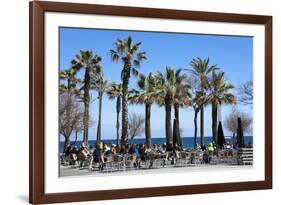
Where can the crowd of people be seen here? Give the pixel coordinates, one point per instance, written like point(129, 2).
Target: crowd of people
point(101, 152)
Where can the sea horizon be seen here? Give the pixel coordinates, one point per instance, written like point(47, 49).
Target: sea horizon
point(187, 142)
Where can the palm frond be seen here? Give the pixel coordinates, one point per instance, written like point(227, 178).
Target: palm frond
point(141, 56)
point(135, 48)
point(136, 63)
point(114, 55)
point(128, 42)
point(135, 72)
point(141, 81)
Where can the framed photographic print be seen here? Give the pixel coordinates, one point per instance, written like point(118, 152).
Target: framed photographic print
point(139, 102)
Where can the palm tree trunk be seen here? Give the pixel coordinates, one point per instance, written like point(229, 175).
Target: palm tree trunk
point(234, 138)
point(169, 134)
point(202, 126)
point(175, 140)
point(118, 109)
point(195, 126)
point(214, 121)
point(176, 128)
point(86, 106)
point(68, 129)
point(85, 122)
point(66, 143)
point(99, 121)
point(125, 77)
point(76, 137)
point(147, 124)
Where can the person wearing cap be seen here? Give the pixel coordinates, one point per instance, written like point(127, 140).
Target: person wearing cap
point(101, 145)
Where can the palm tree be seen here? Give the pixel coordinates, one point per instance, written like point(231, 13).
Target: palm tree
point(219, 93)
point(115, 91)
point(201, 68)
point(68, 89)
point(100, 85)
point(71, 81)
point(90, 62)
point(197, 102)
point(167, 84)
point(182, 98)
point(147, 95)
point(129, 53)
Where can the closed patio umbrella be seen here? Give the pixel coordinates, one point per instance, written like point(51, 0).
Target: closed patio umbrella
point(240, 135)
point(221, 139)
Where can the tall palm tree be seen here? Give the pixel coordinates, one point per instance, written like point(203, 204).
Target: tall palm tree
point(182, 98)
point(219, 93)
point(167, 83)
point(197, 102)
point(100, 85)
point(115, 91)
point(201, 69)
point(129, 53)
point(147, 95)
point(90, 62)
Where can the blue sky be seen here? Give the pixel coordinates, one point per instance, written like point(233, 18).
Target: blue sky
point(232, 54)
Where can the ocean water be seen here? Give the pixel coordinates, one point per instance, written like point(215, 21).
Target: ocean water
point(187, 141)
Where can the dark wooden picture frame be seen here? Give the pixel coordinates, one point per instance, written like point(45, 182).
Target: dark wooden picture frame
point(37, 95)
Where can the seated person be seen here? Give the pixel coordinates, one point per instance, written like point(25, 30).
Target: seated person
point(112, 150)
point(169, 147)
point(203, 147)
point(123, 149)
point(74, 150)
point(136, 151)
point(197, 147)
point(67, 150)
point(85, 151)
point(175, 153)
point(130, 151)
point(84, 154)
point(65, 156)
point(210, 147)
point(163, 148)
point(177, 147)
point(106, 148)
point(98, 154)
point(142, 152)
